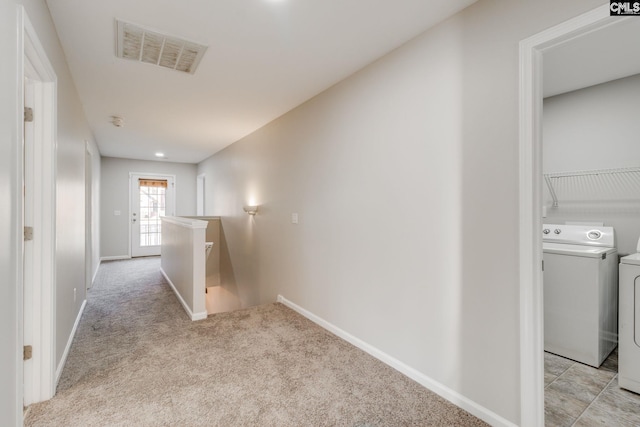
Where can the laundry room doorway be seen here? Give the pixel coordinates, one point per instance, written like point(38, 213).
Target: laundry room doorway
point(531, 189)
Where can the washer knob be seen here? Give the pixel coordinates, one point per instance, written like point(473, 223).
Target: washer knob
point(546, 231)
point(557, 231)
point(594, 235)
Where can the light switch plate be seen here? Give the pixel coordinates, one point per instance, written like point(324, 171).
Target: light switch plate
point(294, 218)
point(116, 213)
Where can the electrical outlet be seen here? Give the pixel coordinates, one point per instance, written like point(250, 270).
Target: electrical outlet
point(294, 218)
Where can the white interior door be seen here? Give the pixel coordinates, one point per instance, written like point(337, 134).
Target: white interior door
point(30, 371)
point(38, 211)
point(152, 197)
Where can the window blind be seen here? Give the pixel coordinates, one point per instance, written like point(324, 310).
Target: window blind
point(144, 182)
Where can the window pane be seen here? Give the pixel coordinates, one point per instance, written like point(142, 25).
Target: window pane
point(152, 207)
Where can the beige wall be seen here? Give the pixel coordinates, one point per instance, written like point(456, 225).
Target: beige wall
point(10, 246)
point(70, 254)
point(114, 196)
point(593, 128)
point(405, 177)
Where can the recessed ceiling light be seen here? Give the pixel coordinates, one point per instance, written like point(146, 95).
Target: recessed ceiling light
point(159, 154)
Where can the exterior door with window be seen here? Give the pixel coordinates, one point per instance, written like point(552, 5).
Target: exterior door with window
point(152, 197)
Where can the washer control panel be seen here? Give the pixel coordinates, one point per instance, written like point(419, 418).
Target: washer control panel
point(587, 235)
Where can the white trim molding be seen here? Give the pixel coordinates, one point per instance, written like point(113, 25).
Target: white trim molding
point(95, 273)
point(193, 316)
point(67, 348)
point(190, 223)
point(427, 382)
point(113, 258)
point(530, 190)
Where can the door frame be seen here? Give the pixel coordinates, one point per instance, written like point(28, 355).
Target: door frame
point(530, 204)
point(152, 176)
point(36, 308)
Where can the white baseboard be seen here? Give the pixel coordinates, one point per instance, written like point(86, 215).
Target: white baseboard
point(193, 316)
point(427, 382)
point(114, 258)
point(63, 361)
point(95, 273)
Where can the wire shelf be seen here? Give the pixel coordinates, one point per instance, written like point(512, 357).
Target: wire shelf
point(619, 185)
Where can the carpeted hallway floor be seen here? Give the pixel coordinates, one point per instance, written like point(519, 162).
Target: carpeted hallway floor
point(137, 360)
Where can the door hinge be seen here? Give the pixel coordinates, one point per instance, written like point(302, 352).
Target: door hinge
point(28, 233)
point(542, 265)
point(27, 352)
point(28, 114)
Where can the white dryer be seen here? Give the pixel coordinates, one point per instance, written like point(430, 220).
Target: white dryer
point(580, 292)
point(629, 346)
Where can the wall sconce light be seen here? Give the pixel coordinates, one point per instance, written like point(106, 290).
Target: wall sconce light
point(251, 210)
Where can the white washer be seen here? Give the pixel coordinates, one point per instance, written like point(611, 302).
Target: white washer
point(580, 292)
point(629, 346)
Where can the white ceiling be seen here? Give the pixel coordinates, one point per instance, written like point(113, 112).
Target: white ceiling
point(264, 58)
point(607, 54)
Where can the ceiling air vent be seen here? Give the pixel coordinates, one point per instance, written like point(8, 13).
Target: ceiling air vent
point(144, 45)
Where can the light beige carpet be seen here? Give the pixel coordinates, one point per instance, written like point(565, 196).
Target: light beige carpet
point(137, 360)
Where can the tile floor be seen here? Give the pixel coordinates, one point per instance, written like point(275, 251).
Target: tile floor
point(581, 396)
